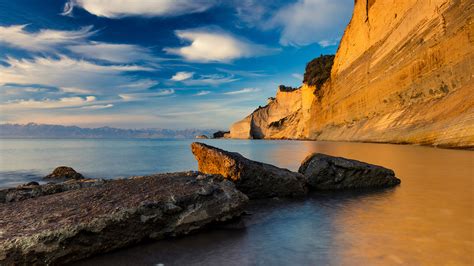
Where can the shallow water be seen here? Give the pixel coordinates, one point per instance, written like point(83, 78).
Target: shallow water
point(427, 220)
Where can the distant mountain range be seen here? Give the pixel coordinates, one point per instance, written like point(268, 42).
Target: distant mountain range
point(33, 130)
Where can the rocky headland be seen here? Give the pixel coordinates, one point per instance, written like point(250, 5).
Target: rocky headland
point(402, 74)
point(60, 222)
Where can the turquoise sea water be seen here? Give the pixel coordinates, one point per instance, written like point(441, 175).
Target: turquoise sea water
point(427, 220)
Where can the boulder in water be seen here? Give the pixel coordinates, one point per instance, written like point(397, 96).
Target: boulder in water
point(64, 172)
point(255, 179)
point(328, 172)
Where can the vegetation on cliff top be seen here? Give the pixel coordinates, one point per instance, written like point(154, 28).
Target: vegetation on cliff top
point(318, 70)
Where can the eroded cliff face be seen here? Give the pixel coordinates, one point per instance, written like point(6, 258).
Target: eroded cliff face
point(403, 73)
point(283, 117)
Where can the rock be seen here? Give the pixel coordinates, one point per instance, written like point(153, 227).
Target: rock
point(201, 137)
point(255, 179)
point(32, 183)
point(64, 172)
point(280, 118)
point(328, 172)
point(220, 134)
point(34, 190)
point(76, 224)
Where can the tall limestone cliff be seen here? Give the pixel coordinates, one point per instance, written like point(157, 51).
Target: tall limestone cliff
point(403, 73)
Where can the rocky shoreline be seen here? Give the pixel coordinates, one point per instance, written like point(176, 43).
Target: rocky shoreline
point(67, 221)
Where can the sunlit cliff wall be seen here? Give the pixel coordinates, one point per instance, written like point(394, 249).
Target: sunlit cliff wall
point(403, 73)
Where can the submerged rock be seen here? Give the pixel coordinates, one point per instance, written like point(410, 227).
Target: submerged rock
point(255, 179)
point(329, 172)
point(75, 224)
point(64, 172)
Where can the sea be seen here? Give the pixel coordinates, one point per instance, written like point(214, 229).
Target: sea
point(427, 220)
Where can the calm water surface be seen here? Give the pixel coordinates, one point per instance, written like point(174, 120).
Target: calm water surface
point(427, 220)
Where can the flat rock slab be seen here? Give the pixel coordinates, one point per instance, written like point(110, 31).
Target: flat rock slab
point(79, 223)
point(35, 190)
point(255, 179)
point(328, 172)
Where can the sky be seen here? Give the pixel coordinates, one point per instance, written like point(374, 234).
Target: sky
point(156, 63)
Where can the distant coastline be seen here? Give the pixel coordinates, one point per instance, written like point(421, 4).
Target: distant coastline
point(46, 131)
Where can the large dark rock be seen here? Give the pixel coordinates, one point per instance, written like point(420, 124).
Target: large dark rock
point(75, 224)
point(255, 179)
point(64, 172)
point(329, 172)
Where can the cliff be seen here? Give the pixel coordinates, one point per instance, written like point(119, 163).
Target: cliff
point(403, 73)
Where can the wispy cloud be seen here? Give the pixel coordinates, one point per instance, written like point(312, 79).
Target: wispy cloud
point(243, 73)
point(210, 80)
point(180, 76)
point(202, 93)
point(298, 76)
point(311, 21)
point(146, 8)
point(215, 45)
point(99, 106)
point(72, 75)
point(116, 53)
point(242, 91)
point(48, 103)
point(327, 43)
point(146, 95)
point(42, 40)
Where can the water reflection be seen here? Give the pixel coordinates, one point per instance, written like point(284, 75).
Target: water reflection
point(427, 220)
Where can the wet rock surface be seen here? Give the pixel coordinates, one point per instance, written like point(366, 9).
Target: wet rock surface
point(64, 172)
point(255, 179)
point(34, 190)
point(328, 172)
point(67, 226)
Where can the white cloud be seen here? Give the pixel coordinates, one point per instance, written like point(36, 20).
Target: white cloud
point(242, 91)
point(202, 93)
point(216, 45)
point(48, 103)
point(75, 90)
point(99, 106)
point(43, 40)
point(180, 76)
point(117, 53)
point(327, 43)
point(243, 73)
point(312, 21)
point(147, 8)
point(210, 80)
point(72, 75)
point(146, 95)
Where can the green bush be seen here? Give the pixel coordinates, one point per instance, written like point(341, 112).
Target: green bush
point(318, 70)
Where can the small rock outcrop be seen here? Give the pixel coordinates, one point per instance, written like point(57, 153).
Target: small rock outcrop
point(76, 224)
point(255, 179)
point(328, 172)
point(220, 134)
point(201, 137)
point(64, 172)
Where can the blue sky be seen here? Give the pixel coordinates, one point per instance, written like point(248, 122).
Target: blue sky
point(156, 63)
